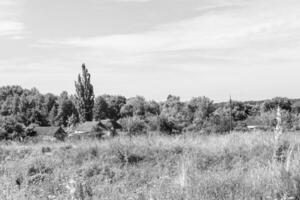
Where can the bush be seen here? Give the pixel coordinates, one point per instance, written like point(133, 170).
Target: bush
point(13, 129)
point(153, 123)
point(218, 123)
point(133, 125)
point(46, 150)
point(241, 127)
point(166, 124)
point(170, 125)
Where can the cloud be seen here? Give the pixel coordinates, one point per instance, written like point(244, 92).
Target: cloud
point(215, 30)
point(10, 25)
point(10, 28)
point(256, 32)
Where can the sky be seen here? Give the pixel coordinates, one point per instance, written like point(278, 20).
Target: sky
point(249, 49)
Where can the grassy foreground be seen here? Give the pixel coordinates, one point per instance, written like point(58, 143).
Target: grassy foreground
point(235, 167)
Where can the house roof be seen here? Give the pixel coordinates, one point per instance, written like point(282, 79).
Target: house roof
point(108, 123)
point(254, 122)
point(104, 124)
point(48, 131)
point(86, 126)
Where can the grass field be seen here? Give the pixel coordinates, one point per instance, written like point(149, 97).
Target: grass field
point(234, 167)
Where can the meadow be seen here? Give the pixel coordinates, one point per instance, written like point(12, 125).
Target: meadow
point(236, 166)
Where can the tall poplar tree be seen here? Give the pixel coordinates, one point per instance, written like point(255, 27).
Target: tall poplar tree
point(85, 95)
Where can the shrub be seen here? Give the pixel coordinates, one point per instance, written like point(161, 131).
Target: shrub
point(133, 125)
point(46, 150)
point(241, 127)
point(153, 123)
point(218, 123)
point(296, 122)
point(14, 129)
point(166, 124)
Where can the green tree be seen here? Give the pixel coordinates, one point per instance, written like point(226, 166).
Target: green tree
point(174, 115)
point(283, 102)
point(200, 109)
point(53, 115)
point(296, 107)
point(115, 103)
point(134, 106)
point(85, 95)
point(134, 125)
point(66, 109)
point(50, 101)
point(15, 105)
point(100, 109)
point(152, 107)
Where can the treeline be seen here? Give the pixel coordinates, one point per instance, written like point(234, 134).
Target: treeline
point(19, 108)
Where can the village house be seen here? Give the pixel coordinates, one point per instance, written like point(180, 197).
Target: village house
point(255, 125)
point(103, 128)
point(50, 133)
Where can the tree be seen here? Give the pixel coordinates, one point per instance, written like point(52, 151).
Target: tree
point(6, 107)
point(240, 110)
point(38, 118)
point(219, 122)
point(50, 101)
point(115, 103)
point(134, 125)
point(200, 109)
point(174, 116)
point(100, 109)
point(282, 102)
point(53, 115)
point(66, 109)
point(152, 107)
point(14, 129)
point(134, 106)
point(15, 105)
point(296, 107)
point(72, 120)
point(85, 95)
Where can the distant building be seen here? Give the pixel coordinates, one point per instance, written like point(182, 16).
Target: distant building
point(85, 127)
point(110, 124)
point(254, 125)
point(50, 133)
point(103, 128)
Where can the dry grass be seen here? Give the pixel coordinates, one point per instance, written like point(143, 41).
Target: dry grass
point(235, 167)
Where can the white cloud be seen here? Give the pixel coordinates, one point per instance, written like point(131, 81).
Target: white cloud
point(255, 23)
point(10, 25)
point(10, 28)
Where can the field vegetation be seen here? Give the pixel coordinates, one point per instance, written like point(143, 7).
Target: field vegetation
point(235, 166)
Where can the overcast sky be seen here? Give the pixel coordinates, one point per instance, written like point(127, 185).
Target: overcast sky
point(247, 48)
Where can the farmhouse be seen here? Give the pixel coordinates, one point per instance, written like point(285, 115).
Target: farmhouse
point(50, 133)
point(254, 125)
point(99, 129)
point(86, 127)
point(110, 124)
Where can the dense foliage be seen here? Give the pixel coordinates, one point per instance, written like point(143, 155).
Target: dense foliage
point(19, 108)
